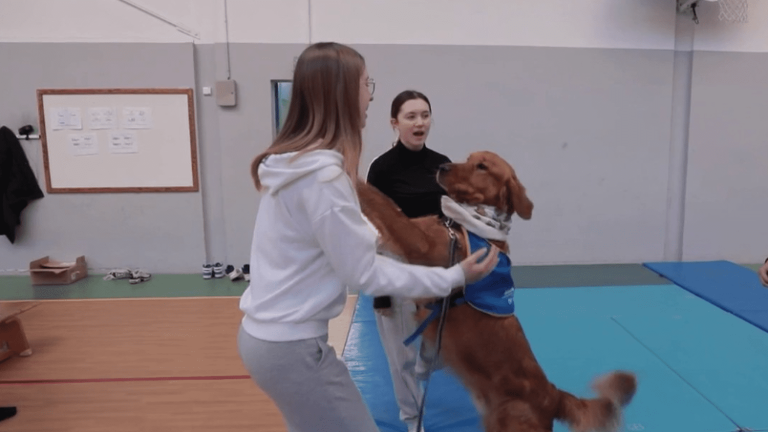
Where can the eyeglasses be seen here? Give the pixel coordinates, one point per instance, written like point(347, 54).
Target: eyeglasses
point(371, 84)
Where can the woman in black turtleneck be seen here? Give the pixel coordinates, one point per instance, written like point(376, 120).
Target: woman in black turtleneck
point(407, 174)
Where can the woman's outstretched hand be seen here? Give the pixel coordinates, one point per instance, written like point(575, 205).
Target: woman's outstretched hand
point(474, 270)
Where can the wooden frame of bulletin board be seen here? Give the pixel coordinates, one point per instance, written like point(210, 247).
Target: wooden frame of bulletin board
point(118, 140)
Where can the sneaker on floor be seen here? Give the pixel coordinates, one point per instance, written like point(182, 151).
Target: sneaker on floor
point(118, 274)
point(138, 276)
point(247, 272)
point(207, 271)
point(218, 270)
point(233, 273)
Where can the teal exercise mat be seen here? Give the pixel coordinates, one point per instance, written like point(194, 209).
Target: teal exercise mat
point(576, 337)
point(724, 358)
point(603, 301)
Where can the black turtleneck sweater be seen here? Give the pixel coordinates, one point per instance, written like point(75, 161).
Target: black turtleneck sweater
point(409, 178)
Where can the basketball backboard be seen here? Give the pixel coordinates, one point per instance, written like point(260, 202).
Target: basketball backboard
point(730, 10)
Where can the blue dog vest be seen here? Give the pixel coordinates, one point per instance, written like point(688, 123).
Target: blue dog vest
point(494, 294)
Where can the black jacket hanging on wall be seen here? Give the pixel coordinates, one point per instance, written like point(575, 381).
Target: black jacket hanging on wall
point(18, 184)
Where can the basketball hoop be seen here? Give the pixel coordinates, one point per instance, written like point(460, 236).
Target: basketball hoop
point(732, 11)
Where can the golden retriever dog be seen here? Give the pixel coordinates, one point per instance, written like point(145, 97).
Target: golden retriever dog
point(490, 353)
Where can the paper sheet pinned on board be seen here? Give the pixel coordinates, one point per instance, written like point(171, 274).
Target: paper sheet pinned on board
point(66, 118)
point(137, 118)
point(83, 144)
point(102, 118)
point(123, 142)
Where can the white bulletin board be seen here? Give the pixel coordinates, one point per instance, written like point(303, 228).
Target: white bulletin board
point(118, 140)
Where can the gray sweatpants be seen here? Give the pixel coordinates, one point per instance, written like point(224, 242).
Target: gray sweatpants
point(311, 387)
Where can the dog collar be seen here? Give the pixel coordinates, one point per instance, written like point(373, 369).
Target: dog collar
point(484, 220)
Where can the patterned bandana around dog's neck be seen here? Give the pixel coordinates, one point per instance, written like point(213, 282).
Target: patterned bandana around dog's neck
point(483, 220)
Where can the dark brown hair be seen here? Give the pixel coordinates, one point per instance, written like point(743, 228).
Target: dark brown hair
point(324, 112)
point(404, 97)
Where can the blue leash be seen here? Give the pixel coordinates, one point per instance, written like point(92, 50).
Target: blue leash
point(436, 309)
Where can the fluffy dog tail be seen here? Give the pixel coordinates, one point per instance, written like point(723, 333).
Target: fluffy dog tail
point(603, 413)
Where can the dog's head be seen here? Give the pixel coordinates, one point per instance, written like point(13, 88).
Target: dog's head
point(486, 178)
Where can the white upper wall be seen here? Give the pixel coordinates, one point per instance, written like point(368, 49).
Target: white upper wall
point(94, 21)
point(559, 23)
point(555, 23)
point(641, 24)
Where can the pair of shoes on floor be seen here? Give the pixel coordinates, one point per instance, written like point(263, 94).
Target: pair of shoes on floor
point(218, 271)
point(139, 276)
point(118, 274)
point(133, 276)
point(243, 272)
point(213, 270)
point(239, 273)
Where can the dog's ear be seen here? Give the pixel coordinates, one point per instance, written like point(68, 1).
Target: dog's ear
point(516, 199)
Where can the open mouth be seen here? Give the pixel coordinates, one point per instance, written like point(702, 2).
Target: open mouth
point(419, 134)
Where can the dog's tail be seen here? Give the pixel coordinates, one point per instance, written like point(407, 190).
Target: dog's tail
point(603, 413)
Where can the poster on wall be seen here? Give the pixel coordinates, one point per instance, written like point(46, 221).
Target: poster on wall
point(123, 142)
point(83, 144)
point(101, 118)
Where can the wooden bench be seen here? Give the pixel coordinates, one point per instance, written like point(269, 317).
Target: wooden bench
point(13, 341)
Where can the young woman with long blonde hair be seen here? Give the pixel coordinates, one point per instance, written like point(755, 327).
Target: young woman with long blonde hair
point(311, 243)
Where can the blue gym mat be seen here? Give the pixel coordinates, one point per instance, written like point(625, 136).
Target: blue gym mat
point(729, 286)
point(699, 368)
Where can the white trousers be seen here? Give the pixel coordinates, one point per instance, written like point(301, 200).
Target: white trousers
point(406, 364)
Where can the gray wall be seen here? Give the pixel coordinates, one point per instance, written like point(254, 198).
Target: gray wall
point(163, 232)
point(246, 130)
point(588, 131)
point(727, 188)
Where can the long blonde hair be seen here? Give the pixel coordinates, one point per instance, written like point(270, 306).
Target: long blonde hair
point(324, 107)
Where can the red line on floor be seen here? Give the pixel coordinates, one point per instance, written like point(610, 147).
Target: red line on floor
point(104, 380)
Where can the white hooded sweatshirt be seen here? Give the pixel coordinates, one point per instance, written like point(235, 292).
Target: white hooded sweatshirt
point(311, 242)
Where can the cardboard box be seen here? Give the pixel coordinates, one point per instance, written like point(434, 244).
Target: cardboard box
point(46, 271)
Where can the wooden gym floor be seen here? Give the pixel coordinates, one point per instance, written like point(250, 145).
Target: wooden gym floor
point(152, 364)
